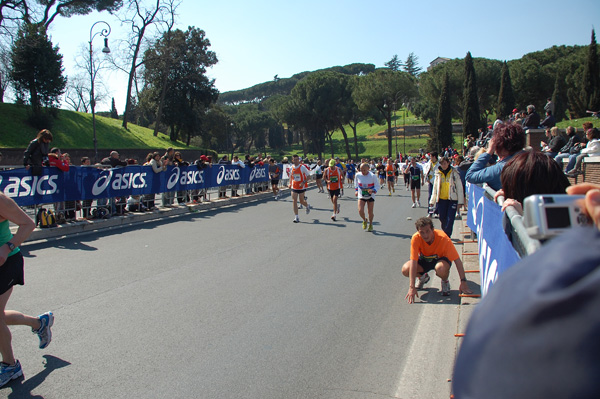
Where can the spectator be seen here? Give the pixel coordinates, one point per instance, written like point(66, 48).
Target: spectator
point(134, 204)
point(158, 164)
point(532, 121)
point(86, 203)
point(448, 194)
point(592, 149)
point(530, 173)
point(182, 195)
point(202, 163)
point(148, 199)
point(520, 117)
point(549, 121)
point(509, 139)
point(549, 106)
point(534, 335)
point(557, 141)
point(429, 172)
point(36, 153)
point(113, 160)
point(168, 197)
point(240, 164)
point(223, 189)
point(571, 148)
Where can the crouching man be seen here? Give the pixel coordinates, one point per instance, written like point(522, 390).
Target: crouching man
point(431, 249)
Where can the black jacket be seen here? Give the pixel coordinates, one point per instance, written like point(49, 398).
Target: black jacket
point(36, 153)
point(113, 162)
point(574, 139)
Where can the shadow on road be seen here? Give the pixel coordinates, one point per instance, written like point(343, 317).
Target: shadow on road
point(433, 295)
point(21, 388)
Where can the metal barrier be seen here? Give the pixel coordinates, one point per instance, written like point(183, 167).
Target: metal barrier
point(523, 244)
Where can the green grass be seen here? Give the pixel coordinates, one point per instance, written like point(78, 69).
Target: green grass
point(74, 130)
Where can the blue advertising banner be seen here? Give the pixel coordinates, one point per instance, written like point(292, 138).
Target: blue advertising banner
point(496, 253)
point(90, 183)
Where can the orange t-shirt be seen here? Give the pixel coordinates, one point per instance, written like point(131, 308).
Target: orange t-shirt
point(389, 169)
point(441, 246)
point(299, 176)
point(333, 179)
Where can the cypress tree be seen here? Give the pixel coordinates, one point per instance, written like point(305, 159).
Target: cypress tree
point(591, 78)
point(443, 131)
point(506, 97)
point(558, 98)
point(113, 111)
point(471, 116)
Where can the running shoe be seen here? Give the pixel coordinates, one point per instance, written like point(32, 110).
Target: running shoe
point(338, 208)
point(307, 208)
point(296, 219)
point(390, 193)
point(333, 217)
point(370, 227)
point(445, 288)
point(393, 189)
point(276, 197)
point(418, 204)
point(44, 332)
point(364, 224)
point(414, 205)
point(9, 373)
point(421, 281)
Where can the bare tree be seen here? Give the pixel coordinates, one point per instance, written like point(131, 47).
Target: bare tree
point(140, 19)
point(77, 95)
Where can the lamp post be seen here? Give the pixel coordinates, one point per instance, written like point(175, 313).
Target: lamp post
point(404, 127)
point(104, 32)
point(395, 129)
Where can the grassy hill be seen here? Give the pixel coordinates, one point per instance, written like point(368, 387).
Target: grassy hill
point(74, 130)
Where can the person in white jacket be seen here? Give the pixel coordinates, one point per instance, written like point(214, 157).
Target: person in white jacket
point(592, 149)
point(447, 193)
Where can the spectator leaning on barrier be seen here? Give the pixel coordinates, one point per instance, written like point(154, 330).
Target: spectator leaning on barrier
point(86, 203)
point(509, 139)
point(182, 196)
point(535, 334)
point(37, 152)
point(530, 173)
point(431, 249)
point(168, 197)
point(236, 161)
point(592, 149)
point(113, 160)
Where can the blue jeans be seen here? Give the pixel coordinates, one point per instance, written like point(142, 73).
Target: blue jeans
point(572, 160)
point(447, 212)
point(559, 158)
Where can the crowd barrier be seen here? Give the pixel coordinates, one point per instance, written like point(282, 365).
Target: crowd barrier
point(502, 238)
point(89, 183)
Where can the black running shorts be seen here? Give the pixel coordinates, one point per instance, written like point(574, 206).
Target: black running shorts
point(11, 272)
point(429, 264)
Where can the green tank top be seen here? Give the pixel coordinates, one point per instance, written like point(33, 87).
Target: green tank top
point(6, 236)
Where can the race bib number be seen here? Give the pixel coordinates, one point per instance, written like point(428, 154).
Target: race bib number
point(415, 177)
point(334, 179)
point(297, 178)
point(390, 173)
point(365, 193)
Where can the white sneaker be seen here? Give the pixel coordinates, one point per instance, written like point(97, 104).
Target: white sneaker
point(421, 281)
point(296, 219)
point(338, 208)
point(418, 204)
point(445, 288)
point(414, 205)
point(307, 208)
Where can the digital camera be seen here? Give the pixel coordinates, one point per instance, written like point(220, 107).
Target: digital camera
point(547, 215)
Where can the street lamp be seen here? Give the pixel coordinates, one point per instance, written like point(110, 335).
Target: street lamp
point(104, 32)
point(395, 129)
point(404, 109)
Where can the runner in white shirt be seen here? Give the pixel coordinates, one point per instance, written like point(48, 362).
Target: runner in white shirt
point(366, 185)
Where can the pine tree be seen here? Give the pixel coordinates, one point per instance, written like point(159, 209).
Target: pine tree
point(471, 116)
point(410, 66)
point(394, 64)
point(506, 97)
point(113, 111)
point(443, 131)
point(558, 98)
point(591, 78)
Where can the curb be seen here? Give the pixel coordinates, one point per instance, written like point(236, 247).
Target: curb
point(84, 226)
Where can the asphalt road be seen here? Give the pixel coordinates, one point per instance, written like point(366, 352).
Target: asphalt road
point(237, 303)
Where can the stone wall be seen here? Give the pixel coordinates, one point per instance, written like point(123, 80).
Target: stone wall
point(591, 171)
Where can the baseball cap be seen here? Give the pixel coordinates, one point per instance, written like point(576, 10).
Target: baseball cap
point(332, 163)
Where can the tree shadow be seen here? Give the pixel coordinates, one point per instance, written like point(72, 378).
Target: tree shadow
point(22, 388)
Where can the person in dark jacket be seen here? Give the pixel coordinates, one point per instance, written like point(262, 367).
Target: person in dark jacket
point(532, 121)
point(37, 152)
point(549, 121)
point(572, 140)
point(113, 160)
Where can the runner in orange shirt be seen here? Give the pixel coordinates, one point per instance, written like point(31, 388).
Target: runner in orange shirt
point(432, 249)
point(298, 180)
point(389, 174)
point(334, 178)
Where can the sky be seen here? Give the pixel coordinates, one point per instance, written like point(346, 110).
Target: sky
point(256, 40)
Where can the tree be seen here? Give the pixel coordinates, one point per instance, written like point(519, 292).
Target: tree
point(187, 93)
point(380, 90)
point(394, 64)
point(410, 66)
point(443, 132)
point(506, 98)
point(591, 78)
point(37, 68)
point(559, 98)
point(471, 117)
point(77, 95)
point(113, 110)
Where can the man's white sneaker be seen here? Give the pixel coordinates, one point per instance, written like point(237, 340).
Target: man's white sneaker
point(418, 204)
point(296, 219)
point(445, 288)
point(414, 205)
point(421, 281)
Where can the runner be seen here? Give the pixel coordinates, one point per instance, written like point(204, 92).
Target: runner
point(274, 173)
point(403, 168)
point(298, 180)
point(432, 249)
point(381, 172)
point(319, 176)
point(366, 186)
point(415, 174)
point(334, 179)
point(350, 173)
point(389, 173)
point(342, 168)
